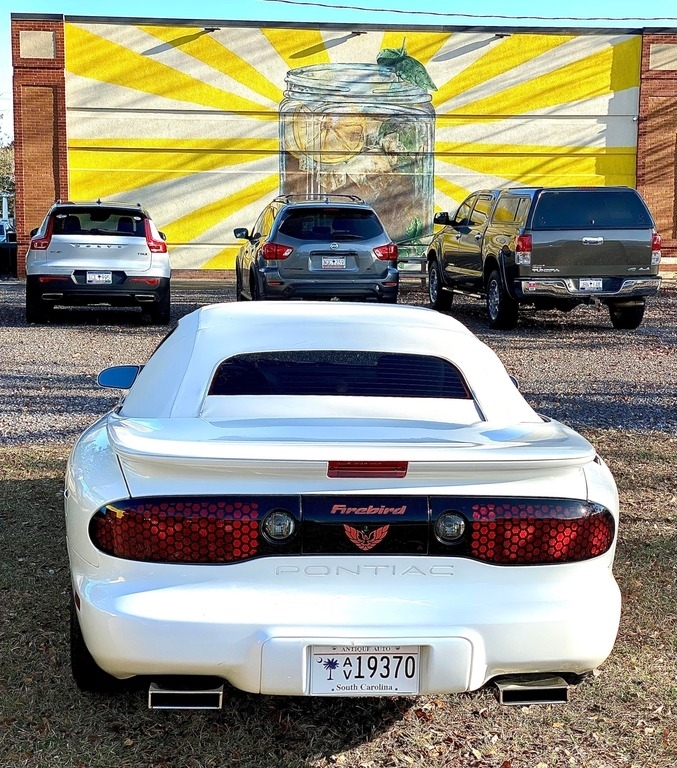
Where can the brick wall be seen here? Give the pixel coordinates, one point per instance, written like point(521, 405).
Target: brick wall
point(657, 139)
point(39, 124)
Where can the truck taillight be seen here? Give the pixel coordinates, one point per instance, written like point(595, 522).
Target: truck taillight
point(386, 252)
point(523, 250)
point(275, 251)
point(655, 249)
point(154, 240)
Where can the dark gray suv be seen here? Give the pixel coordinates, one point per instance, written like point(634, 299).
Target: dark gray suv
point(317, 247)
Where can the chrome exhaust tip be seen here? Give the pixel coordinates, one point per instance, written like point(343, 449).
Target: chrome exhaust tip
point(525, 690)
point(184, 698)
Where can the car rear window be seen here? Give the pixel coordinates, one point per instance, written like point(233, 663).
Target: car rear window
point(324, 224)
point(349, 373)
point(99, 221)
point(591, 209)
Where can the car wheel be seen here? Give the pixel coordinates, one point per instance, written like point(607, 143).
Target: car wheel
point(238, 285)
point(502, 309)
point(36, 311)
point(87, 674)
point(626, 316)
point(439, 299)
point(160, 311)
point(254, 293)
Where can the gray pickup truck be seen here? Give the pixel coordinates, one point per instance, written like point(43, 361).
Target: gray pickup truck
point(552, 248)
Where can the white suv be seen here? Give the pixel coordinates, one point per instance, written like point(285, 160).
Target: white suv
point(97, 253)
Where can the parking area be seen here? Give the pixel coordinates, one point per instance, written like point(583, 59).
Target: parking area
point(573, 367)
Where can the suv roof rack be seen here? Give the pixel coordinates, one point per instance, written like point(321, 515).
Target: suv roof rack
point(319, 197)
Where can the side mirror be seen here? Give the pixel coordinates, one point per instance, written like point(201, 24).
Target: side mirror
point(514, 381)
point(241, 233)
point(118, 376)
point(11, 237)
point(162, 235)
point(441, 218)
point(34, 232)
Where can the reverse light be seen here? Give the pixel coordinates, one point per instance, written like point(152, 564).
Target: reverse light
point(275, 251)
point(278, 524)
point(523, 250)
point(449, 527)
point(656, 244)
point(154, 240)
point(386, 252)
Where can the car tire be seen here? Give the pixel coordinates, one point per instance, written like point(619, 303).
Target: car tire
point(626, 316)
point(238, 285)
point(501, 308)
point(439, 299)
point(160, 311)
point(36, 311)
point(87, 674)
point(254, 293)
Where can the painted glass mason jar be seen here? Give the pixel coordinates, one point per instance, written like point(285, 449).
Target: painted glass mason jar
point(359, 129)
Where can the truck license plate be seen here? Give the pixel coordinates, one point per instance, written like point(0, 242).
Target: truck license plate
point(590, 285)
point(364, 670)
point(99, 278)
point(333, 262)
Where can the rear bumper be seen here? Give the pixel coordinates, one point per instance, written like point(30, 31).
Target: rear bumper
point(129, 291)
point(273, 286)
point(254, 624)
point(568, 288)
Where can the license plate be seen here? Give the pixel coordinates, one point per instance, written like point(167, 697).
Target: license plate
point(333, 262)
point(364, 670)
point(99, 278)
point(590, 285)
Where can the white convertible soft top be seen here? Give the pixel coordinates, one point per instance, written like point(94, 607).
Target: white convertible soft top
point(175, 381)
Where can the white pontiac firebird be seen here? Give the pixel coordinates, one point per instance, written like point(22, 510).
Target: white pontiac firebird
point(335, 499)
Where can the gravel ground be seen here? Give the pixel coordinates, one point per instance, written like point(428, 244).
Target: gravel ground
point(573, 367)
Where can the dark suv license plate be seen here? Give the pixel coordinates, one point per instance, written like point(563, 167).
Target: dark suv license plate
point(333, 262)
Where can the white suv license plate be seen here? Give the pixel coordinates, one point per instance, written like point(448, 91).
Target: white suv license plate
point(99, 278)
point(333, 262)
point(590, 285)
point(364, 670)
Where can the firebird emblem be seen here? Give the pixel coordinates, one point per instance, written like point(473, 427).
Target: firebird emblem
point(366, 541)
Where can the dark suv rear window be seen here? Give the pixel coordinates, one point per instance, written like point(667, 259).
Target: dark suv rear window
point(591, 209)
point(324, 224)
point(98, 221)
point(330, 372)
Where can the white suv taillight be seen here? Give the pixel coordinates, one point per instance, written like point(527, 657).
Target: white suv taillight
point(655, 249)
point(523, 250)
point(41, 242)
point(154, 240)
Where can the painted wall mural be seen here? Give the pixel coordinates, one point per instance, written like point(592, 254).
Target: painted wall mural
point(203, 126)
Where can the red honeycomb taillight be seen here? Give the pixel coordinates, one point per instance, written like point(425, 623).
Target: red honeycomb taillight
point(178, 530)
point(539, 532)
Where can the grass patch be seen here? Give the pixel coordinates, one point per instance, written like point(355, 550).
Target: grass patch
point(622, 716)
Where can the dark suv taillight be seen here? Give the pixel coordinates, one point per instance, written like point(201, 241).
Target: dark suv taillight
point(386, 252)
point(275, 251)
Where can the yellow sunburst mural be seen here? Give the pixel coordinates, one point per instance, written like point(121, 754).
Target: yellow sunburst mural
point(204, 125)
